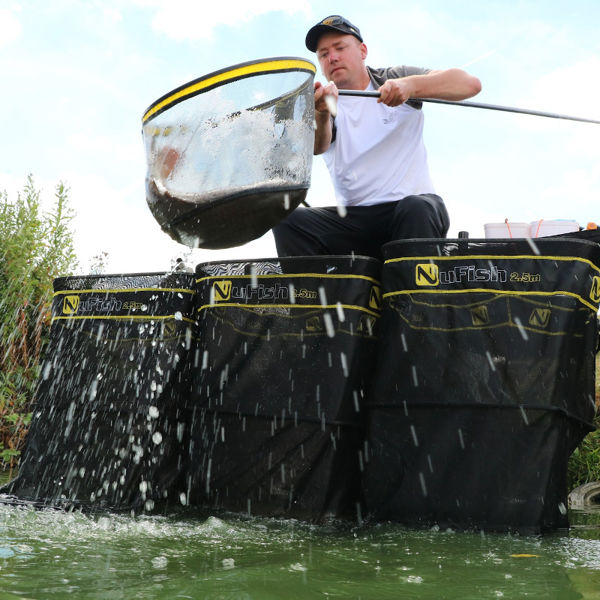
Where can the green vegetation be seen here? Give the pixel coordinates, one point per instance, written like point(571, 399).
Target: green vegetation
point(584, 464)
point(35, 247)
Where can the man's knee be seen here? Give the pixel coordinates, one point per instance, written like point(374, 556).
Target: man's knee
point(417, 206)
point(422, 216)
point(293, 236)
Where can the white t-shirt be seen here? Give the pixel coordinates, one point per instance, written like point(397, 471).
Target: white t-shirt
point(378, 154)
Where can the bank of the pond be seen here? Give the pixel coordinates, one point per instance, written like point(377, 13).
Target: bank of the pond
point(50, 555)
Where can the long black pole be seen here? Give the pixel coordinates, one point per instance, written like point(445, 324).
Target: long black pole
point(523, 111)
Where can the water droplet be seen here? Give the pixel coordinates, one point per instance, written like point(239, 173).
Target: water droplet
point(322, 296)
point(429, 463)
point(159, 562)
point(403, 340)
point(521, 329)
point(180, 430)
point(328, 322)
point(153, 412)
point(157, 437)
point(413, 432)
point(342, 210)
point(228, 563)
point(533, 246)
point(414, 376)
point(344, 363)
point(524, 414)
point(93, 389)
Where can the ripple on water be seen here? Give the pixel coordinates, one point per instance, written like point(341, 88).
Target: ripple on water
point(119, 556)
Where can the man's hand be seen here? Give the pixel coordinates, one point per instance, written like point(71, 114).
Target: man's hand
point(449, 84)
point(395, 92)
point(325, 109)
point(326, 98)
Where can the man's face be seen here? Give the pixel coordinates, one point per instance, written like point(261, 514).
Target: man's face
point(341, 58)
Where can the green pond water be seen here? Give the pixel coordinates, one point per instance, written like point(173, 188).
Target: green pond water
point(47, 554)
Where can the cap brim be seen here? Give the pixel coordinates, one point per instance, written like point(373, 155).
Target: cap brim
point(314, 34)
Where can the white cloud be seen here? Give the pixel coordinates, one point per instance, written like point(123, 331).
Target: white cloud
point(10, 27)
point(571, 90)
point(11, 184)
point(112, 13)
point(108, 149)
point(192, 20)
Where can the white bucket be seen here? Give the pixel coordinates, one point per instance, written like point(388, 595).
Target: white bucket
point(544, 228)
point(506, 230)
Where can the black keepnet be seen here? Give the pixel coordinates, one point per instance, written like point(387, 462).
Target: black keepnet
point(106, 419)
point(279, 388)
point(272, 387)
point(484, 382)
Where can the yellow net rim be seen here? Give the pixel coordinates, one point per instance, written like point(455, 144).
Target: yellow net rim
point(228, 75)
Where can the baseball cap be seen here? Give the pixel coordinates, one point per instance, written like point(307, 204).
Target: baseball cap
point(328, 24)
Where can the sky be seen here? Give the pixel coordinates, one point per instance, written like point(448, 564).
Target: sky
point(77, 76)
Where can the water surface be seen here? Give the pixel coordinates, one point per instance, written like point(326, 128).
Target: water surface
point(48, 555)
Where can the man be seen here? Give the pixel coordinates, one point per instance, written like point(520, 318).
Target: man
point(374, 150)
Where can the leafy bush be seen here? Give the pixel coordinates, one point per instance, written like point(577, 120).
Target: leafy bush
point(584, 464)
point(35, 247)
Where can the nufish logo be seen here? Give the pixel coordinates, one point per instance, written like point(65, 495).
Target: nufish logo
point(427, 274)
point(375, 298)
point(224, 291)
point(70, 305)
point(540, 317)
point(314, 324)
point(169, 328)
point(595, 291)
point(480, 315)
point(221, 291)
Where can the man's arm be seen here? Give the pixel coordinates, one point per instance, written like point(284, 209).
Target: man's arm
point(323, 118)
point(450, 84)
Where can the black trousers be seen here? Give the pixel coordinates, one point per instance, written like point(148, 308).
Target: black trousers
point(363, 230)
